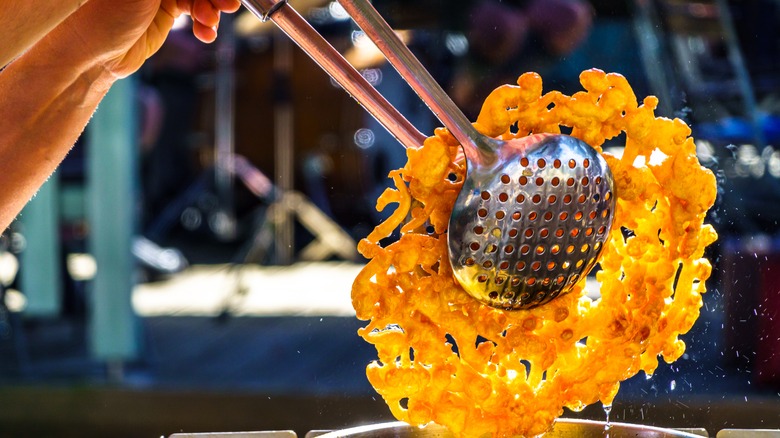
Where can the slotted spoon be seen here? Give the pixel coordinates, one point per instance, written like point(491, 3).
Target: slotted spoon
point(533, 214)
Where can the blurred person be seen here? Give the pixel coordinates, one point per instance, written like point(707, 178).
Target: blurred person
point(506, 38)
point(59, 60)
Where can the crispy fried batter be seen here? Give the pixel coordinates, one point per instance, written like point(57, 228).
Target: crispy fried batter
point(444, 357)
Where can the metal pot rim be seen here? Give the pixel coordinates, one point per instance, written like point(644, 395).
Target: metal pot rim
point(399, 429)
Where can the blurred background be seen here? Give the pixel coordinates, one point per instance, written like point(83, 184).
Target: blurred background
point(188, 268)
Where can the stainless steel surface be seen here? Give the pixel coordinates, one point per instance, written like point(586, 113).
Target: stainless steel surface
point(564, 428)
point(526, 234)
point(517, 239)
point(292, 24)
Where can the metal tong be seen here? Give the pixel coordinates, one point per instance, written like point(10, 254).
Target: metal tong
point(337, 67)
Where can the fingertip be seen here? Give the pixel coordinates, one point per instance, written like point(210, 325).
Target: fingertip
point(204, 33)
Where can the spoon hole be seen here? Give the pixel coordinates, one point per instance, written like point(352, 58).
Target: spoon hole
point(500, 215)
point(570, 182)
point(533, 215)
point(520, 198)
point(578, 216)
point(506, 179)
point(516, 215)
point(500, 280)
point(539, 181)
point(575, 232)
point(482, 213)
point(567, 199)
point(563, 216)
point(552, 198)
point(493, 295)
point(607, 196)
point(555, 181)
point(597, 246)
point(485, 195)
point(529, 232)
point(524, 161)
point(546, 282)
point(544, 233)
point(569, 249)
point(482, 278)
point(585, 180)
point(550, 266)
point(582, 199)
point(474, 246)
point(541, 163)
point(523, 180)
point(555, 249)
point(574, 278)
point(520, 266)
point(559, 232)
point(509, 249)
point(548, 216)
point(602, 229)
point(579, 264)
point(503, 197)
point(504, 265)
point(598, 180)
point(513, 233)
point(536, 199)
point(586, 163)
point(560, 279)
point(585, 248)
point(530, 281)
point(491, 248)
point(589, 231)
point(572, 164)
point(539, 250)
point(469, 262)
point(515, 281)
point(525, 249)
point(536, 265)
point(592, 214)
point(605, 213)
point(565, 265)
point(557, 163)
point(479, 229)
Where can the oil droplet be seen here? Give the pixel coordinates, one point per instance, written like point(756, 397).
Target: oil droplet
point(607, 425)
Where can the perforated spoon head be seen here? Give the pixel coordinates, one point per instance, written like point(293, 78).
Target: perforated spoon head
point(532, 222)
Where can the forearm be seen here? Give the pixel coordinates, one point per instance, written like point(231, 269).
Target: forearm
point(46, 98)
point(28, 21)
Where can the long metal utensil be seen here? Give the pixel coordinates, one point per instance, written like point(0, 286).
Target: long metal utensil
point(533, 214)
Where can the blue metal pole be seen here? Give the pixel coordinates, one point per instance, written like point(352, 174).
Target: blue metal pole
point(40, 276)
point(111, 208)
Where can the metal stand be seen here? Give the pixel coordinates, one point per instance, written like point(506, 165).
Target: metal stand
point(283, 146)
point(223, 222)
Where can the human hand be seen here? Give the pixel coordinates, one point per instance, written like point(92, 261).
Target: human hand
point(122, 34)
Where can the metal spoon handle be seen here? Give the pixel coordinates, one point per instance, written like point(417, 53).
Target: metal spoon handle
point(338, 68)
point(415, 74)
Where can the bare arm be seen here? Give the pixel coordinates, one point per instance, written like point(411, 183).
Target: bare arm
point(44, 107)
point(28, 21)
point(48, 95)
